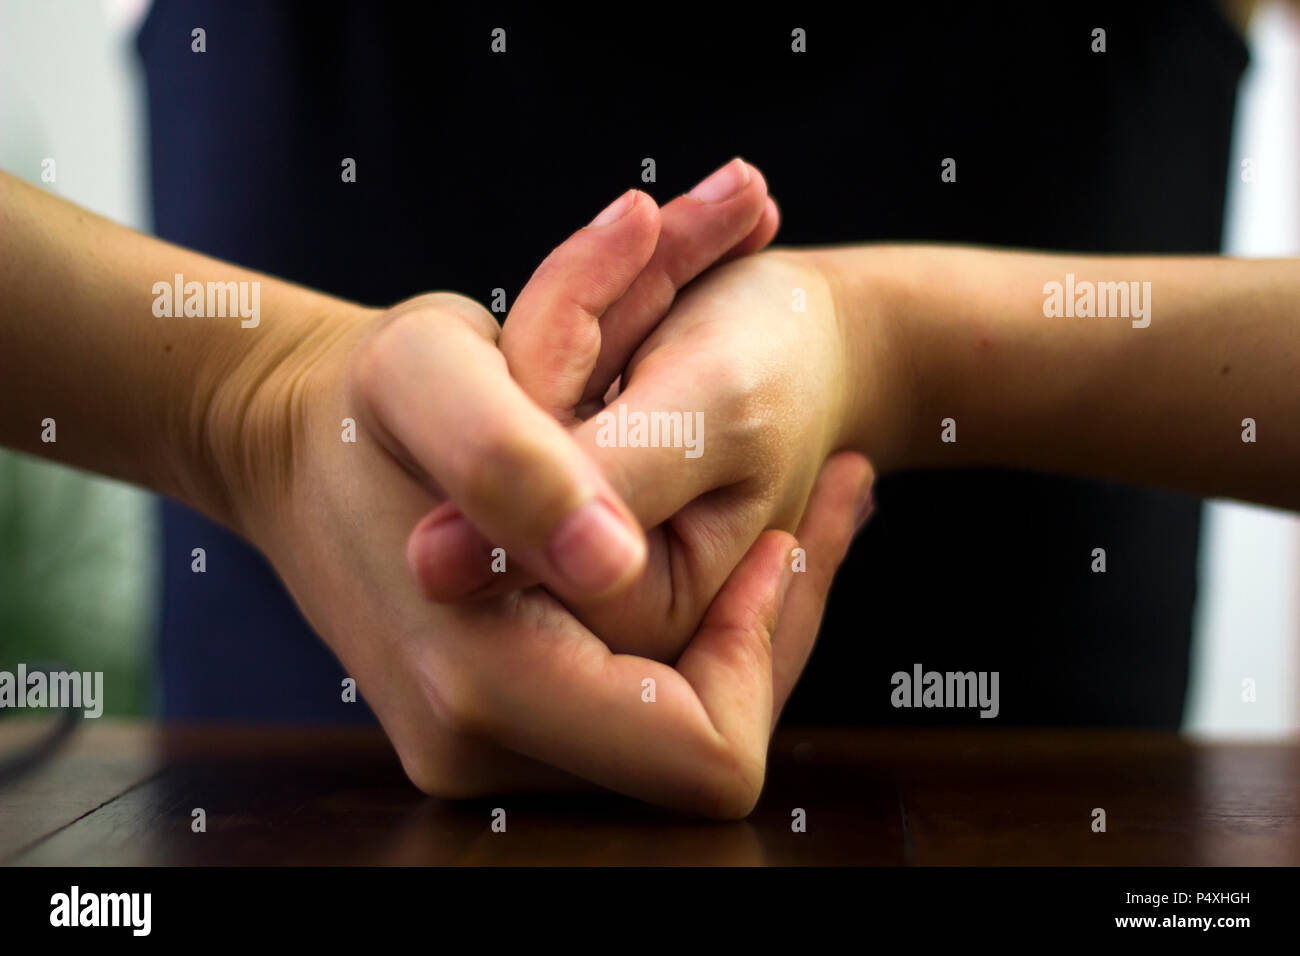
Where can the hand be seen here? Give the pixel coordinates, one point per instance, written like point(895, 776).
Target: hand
point(482, 698)
point(757, 351)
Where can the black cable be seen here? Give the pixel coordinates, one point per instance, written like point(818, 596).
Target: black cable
point(14, 765)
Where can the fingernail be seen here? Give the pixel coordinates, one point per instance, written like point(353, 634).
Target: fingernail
point(593, 549)
point(866, 505)
point(616, 210)
point(452, 534)
point(724, 183)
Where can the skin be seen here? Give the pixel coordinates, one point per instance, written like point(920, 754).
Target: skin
point(906, 352)
point(513, 690)
point(244, 424)
point(897, 339)
point(1160, 406)
point(767, 434)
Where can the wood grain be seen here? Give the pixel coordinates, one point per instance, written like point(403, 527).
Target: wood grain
point(121, 794)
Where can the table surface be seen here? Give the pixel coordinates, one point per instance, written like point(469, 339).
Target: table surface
point(123, 793)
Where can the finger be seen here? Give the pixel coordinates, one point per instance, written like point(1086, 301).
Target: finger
point(435, 389)
point(552, 336)
point(455, 767)
point(672, 436)
point(553, 333)
point(729, 662)
point(694, 738)
point(722, 214)
point(760, 235)
point(655, 480)
point(839, 503)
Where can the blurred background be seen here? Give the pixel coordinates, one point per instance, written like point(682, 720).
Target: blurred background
point(78, 566)
point(77, 554)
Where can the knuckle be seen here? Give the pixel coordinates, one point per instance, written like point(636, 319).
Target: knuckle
point(457, 710)
point(406, 323)
point(430, 777)
point(750, 651)
point(744, 647)
point(743, 404)
point(443, 756)
point(377, 354)
point(470, 312)
point(434, 306)
point(449, 774)
point(559, 310)
point(581, 339)
point(500, 466)
point(456, 703)
point(562, 336)
point(732, 790)
point(371, 363)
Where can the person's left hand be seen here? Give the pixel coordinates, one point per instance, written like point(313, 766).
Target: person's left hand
point(756, 349)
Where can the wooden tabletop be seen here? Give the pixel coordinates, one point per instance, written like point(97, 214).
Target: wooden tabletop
point(123, 793)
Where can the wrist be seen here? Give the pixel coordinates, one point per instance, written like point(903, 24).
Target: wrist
point(252, 405)
point(872, 291)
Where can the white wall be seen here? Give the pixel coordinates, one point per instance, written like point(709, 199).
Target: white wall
point(83, 585)
point(70, 88)
point(1248, 618)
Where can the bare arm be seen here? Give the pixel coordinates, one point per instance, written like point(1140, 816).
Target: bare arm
point(1159, 395)
point(132, 393)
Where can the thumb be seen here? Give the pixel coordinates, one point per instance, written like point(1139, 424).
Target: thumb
point(436, 391)
point(729, 661)
point(584, 311)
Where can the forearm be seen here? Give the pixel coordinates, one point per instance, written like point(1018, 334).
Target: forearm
point(164, 401)
point(1114, 397)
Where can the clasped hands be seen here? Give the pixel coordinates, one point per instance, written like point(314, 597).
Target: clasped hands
point(650, 621)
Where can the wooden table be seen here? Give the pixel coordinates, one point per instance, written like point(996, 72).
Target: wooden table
point(123, 793)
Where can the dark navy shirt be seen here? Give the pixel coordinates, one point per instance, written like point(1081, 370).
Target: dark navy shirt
point(472, 165)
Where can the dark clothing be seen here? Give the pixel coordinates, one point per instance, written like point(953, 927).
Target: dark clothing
point(472, 165)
